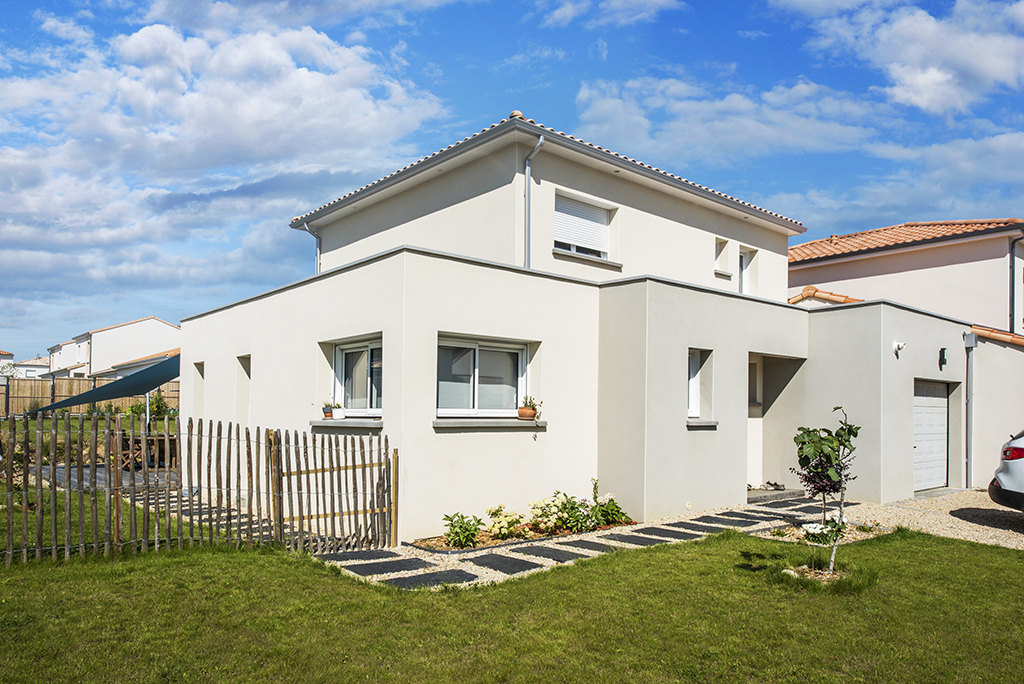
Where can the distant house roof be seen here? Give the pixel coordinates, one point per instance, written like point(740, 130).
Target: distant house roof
point(3, 353)
point(531, 131)
point(891, 237)
point(38, 361)
point(811, 292)
point(121, 325)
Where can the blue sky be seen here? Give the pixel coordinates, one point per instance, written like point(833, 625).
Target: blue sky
point(152, 152)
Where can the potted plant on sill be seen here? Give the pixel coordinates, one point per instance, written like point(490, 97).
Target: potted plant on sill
point(530, 409)
point(329, 409)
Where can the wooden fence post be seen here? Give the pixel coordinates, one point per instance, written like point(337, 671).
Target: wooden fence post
point(394, 498)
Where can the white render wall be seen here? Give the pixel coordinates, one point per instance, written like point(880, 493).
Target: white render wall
point(966, 280)
point(477, 210)
point(999, 409)
point(132, 341)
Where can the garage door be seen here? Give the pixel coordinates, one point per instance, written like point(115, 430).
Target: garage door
point(931, 456)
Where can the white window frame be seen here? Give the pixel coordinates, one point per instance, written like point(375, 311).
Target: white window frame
point(584, 235)
point(520, 349)
point(339, 380)
point(693, 384)
point(746, 262)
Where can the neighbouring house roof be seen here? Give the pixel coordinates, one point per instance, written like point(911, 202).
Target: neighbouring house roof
point(141, 361)
point(999, 335)
point(811, 291)
point(517, 123)
point(38, 361)
point(121, 325)
point(892, 237)
point(3, 353)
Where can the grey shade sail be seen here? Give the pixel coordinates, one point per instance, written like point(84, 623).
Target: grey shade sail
point(132, 385)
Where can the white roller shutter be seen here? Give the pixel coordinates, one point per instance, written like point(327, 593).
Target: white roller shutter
point(581, 224)
point(931, 418)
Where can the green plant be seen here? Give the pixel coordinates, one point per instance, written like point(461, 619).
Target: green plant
point(606, 511)
point(560, 513)
point(506, 524)
point(462, 531)
point(531, 403)
point(825, 458)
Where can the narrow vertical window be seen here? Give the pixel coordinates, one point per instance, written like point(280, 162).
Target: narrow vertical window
point(747, 271)
point(693, 405)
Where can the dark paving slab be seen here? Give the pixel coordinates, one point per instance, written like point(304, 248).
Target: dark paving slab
point(382, 567)
point(349, 556)
point(727, 522)
point(557, 555)
point(702, 529)
point(431, 579)
point(633, 539)
point(662, 532)
point(747, 515)
point(815, 508)
point(783, 503)
point(588, 545)
point(505, 564)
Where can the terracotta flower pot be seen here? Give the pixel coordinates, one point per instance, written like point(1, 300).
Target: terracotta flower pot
point(527, 413)
point(328, 413)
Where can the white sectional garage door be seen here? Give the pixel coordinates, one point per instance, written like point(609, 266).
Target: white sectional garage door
point(931, 454)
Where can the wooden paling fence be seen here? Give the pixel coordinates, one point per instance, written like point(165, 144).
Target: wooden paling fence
point(80, 485)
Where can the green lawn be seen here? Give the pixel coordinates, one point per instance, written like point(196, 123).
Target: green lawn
point(941, 610)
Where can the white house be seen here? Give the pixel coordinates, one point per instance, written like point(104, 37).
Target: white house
point(95, 353)
point(647, 312)
point(32, 368)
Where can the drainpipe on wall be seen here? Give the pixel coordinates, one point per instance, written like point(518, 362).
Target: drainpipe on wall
point(316, 263)
point(1013, 281)
point(970, 342)
point(540, 144)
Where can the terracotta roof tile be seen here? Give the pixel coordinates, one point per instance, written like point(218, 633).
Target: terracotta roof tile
point(169, 353)
point(38, 361)
point(3, 353)
point(999, 335)
point(812, 292)
point(904, 234)
point(547, 131)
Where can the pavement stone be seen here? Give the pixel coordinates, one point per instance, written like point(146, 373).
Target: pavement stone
point(557, 555)
point(662, 532)
point(388, 566)
point(431, 579)
point(505, 564)
point(633, 539)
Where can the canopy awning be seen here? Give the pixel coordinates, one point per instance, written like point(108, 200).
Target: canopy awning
point(132, 385)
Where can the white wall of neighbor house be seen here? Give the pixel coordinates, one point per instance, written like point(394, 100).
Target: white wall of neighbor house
point(132, 341)
point(966, 280)
point(850, 363)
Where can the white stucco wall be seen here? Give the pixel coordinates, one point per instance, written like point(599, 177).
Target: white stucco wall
point(966, 280)
point(129, 342)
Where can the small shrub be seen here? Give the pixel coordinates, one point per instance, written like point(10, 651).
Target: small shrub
point(606, 511)
point(560, 513)
point(506, 524)
point(462, 531)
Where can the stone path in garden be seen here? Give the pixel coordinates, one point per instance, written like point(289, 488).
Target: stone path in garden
point(409, 567)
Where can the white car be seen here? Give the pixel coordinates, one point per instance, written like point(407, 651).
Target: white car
point(1007, 487)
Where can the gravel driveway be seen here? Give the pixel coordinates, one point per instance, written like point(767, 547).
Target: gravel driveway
point(969, 515)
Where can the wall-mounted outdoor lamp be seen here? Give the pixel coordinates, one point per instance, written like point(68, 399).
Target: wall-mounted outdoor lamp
point(897, 347)
point(942, 357)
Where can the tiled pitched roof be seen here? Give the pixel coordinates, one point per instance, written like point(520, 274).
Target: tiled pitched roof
point(3, 353)
point(1000, 335)
point(38, 361)
point(167, 354)
point(905, 234)
point(547, 131)
point(812, 291)
point(120, 325)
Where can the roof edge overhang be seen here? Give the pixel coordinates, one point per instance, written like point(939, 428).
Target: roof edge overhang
point(519, 130)
point(943, 241)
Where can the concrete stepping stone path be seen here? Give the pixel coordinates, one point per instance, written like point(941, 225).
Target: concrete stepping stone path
point(349, 556)
point(634, 539)
point(388, 566)
point(671, 534)
point(557, 555)
point(588, 545)
point(726, 522)
point(505, 564)
point(703, 529)
point(431, 579)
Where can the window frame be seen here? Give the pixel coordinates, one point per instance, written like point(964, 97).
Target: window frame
point(338, 393)
point(522, 350)
point(573, 248)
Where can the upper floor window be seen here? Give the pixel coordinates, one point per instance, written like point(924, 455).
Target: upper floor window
point(479, 379)
point(358, 374)
point(581, 228)
point(747, 271)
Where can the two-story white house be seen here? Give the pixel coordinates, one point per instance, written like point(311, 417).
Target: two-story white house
point(647, 312)
point(97, 352)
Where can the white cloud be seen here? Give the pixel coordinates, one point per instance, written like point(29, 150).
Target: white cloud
point(600, 48)
point(565, 13)
point(65, 29)
point(670, 121)
point(937, 64)
point(535, 53)
point(752, 35)
point(626, 12)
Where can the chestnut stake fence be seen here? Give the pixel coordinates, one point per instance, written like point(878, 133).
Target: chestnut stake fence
point(104, 484)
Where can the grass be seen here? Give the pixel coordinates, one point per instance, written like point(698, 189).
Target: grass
point(938, 610)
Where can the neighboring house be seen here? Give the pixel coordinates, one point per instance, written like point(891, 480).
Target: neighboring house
point(6, 356)
point(32, 368)
point(647, 312)
point(971, 270)
point(120, 370)
point(95, 353)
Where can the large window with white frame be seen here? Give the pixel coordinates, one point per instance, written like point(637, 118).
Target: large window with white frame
point(358, 376)
point(480, 379)
point(580, 227)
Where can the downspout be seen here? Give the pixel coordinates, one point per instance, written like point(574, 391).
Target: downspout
point(316, 263)
point(1013, 281)
point(970, 342)
point(540, 144)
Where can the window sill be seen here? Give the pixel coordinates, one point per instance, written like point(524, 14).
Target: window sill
point(489, 424)
point(585, 258)
point(723, 274)
point(697, 424)
point(361, 423)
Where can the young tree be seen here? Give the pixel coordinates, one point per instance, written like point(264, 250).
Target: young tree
point(825, 458)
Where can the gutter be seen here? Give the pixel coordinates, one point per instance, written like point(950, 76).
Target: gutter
point(540, 144)
point(970, 342)
point(1013, 280)
point(316, 262)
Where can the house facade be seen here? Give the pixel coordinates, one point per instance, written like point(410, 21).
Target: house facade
point(32, 368)
point(95, 353)
point(648, 313)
